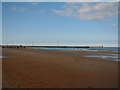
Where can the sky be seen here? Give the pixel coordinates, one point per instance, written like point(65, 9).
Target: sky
point(60, 23)
point(60, 0)
point(0, 23)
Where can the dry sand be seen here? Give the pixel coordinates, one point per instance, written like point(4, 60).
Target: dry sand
point(57, 69)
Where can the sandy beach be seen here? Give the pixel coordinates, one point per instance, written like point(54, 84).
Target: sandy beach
point(27, 68)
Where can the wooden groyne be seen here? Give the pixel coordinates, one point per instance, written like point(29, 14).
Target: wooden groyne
point(20, 46)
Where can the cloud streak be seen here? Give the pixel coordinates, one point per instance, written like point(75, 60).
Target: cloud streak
point(34, 3)
point(114, 25)
point(60, 0)
point(88, 11)
point(19, 9)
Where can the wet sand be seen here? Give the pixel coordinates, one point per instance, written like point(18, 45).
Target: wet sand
point(0, 68)
point(27, 68)
point(0, 73)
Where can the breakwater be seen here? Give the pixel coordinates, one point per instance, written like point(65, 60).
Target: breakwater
point(20, 46)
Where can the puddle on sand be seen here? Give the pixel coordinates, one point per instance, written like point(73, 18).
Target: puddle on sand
point(113, 57)
point(101, 56)
point(2, 57)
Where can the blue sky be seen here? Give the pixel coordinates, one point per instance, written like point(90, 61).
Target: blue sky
point(0, 23)
point(60, 0)
point(50, 23)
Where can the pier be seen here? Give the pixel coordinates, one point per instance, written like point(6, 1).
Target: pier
point(20, 46)
point(13, 46)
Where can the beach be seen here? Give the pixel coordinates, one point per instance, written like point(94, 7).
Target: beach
point(0, 68)
point(38, 68)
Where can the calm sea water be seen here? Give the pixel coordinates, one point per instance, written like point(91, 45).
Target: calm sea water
point(105, 49)
point(107, 56)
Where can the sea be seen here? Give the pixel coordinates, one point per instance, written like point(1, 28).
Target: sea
point(111, 56)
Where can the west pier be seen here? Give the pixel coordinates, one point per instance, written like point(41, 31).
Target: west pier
point(20, 46)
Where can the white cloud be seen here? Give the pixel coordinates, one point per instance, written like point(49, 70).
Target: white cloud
point(60, 0)
point(114, 25)
point(13, 8)
point(88, 11)
point(19, 9)
point(35, 3)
